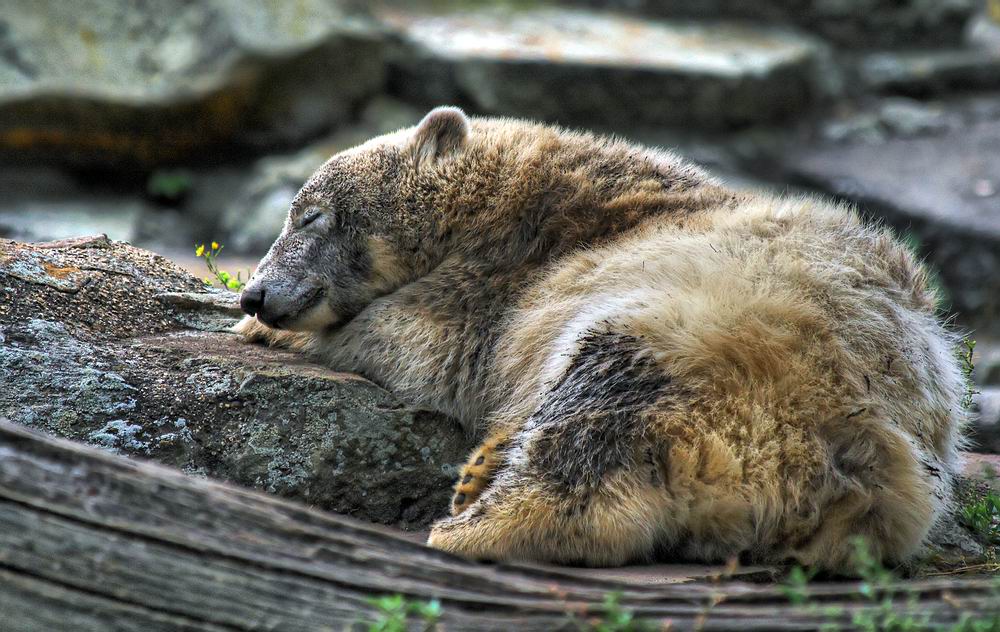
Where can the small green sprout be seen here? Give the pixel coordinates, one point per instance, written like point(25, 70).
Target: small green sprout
point(614, 618)
point(983, 517)
point(234, 283)
point(965, 357)
point(170, 185)
point(796, 586)
point(394, 612)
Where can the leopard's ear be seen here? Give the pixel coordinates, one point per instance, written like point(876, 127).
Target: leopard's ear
point(441, 133)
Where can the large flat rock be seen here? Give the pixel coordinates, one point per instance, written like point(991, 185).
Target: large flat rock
point(108, 344)
point(972, 66)
point(940, 186)
point(114, 82)
point(578, 66)
point(851, 23)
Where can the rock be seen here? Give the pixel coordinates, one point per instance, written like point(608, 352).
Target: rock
point(925, 73)
point(852, 23)
point(121, 82)
point(891, 117)
point(256, 213)
point(108, 344)
point(976, 65)
point(861, 128)
point(987, 363)
point(40, 204)
point(573, 66)
point(940, 190)
point(46, 220)
point(906, 117)
point(43, 204)
point(984, 428)
point(950, 545)
point(983, 468)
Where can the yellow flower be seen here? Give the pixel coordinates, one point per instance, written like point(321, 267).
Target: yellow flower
point(200, 250)
point(215, 245)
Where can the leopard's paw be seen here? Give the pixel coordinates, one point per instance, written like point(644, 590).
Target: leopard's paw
point(477, 474)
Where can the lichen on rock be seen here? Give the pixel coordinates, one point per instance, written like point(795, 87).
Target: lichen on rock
point(134, 358)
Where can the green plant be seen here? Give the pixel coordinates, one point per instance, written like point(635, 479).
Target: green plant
point(965, 353)
point(169, 185)
point(968, 624)
point(893, 611)
point(796, 586)
point(983, 517)
point(234, 283)
point(875, 587)
point(614, 618)
point(394, 612)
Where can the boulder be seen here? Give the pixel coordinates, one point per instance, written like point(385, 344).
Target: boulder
point(922, 73)
point(111, 345)
point(43, 204)
point(939, 185)
point(119, 82)
point(987, 363)
point(581, 67)
point(976, 65)
point(850, 23)
point(984, 429)
point(892, 117)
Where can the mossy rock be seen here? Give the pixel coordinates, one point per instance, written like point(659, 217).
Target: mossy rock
point(114, 346)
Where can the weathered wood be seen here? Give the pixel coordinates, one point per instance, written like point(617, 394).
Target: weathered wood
point(90, 541)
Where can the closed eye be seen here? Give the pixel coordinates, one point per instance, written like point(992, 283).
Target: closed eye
point(309, 217)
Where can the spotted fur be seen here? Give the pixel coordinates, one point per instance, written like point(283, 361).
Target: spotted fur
point(660, 366)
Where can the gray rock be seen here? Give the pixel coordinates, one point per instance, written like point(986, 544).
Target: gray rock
point(976, 65)
point(209, 310)
point(575, 66)
point(950, 544)
point(120, 81)
point(931, 72)
point(941, 190)
point(105, 343)
point(987, 363)
point(852, 23)
point(859, 128)
point(43, 204)
point(907, 117)
point(890, 117)
point(984, 429)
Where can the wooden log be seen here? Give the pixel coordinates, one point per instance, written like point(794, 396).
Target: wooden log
point(91, 541)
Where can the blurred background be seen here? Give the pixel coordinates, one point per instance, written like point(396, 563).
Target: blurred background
point(170, 123)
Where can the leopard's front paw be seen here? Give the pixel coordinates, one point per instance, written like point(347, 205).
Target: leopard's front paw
point(478, 473)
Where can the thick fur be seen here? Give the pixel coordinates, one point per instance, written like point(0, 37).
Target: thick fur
point(659, 366)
